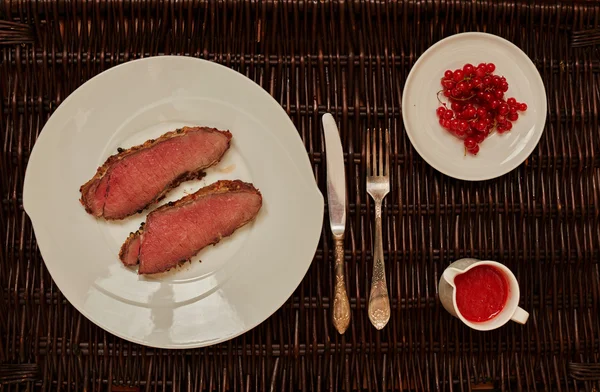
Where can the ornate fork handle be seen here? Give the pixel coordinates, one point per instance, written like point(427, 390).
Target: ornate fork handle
point(341, 304)
point(379, 300)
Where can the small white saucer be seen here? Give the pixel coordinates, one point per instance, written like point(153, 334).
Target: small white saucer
point(499, 153)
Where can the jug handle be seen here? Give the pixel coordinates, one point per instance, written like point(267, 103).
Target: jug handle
point(520, 316)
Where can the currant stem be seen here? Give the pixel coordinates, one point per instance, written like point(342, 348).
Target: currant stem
point(438, 98)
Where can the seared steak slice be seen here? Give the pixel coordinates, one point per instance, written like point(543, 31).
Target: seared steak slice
point(177, 231)
point(134, 178)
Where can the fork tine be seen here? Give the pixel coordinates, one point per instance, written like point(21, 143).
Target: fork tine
point(374, 152)
point(368, 148)
point(380, 157)
point(387, 153)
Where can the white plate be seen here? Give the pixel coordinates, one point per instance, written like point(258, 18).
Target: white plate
point(241, 281)
point(498, 154)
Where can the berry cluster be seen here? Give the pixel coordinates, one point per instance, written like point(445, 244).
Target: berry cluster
point(477, 104)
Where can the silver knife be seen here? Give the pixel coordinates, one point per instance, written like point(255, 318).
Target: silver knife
point(336, 196)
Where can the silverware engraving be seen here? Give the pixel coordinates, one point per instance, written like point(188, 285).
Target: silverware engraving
point(378, 186)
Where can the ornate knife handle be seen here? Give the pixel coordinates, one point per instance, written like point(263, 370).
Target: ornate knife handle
point(341, 304)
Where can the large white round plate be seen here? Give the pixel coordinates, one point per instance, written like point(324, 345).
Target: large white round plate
point(498, 154)
point(242, 280)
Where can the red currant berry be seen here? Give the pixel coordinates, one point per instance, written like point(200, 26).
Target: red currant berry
point(511, 101)
point(522, 107)
point(500, 118)
point(470, 112)
point(481, 113)
point(456, 92)
point(474, 150)
point(491, 67)
point(512, 109)
point(468, 69)
point(440, 111)
point(500, 129)
point(513, 116)
point(470, 142)
point(448, 74)
point(494, 104)
point(457, 106)
point(499, 94)
point(508, 126)
point(504, 87)
point(458, 75)
point(448, 115)
point(503, 109)
point(463, 125)
point(453, 125)
point(480, 72)
point(459, 132)
point(480, 137)
point(448, 84)
point(488, 97)
point(462, 86)
point(447, 93)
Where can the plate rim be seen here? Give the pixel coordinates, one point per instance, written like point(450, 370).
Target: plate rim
point(538, 80)
point(301, 166)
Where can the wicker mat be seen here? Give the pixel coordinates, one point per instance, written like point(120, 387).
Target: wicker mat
point(349, 58)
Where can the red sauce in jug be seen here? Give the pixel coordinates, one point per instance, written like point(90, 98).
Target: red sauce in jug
point(481, 293)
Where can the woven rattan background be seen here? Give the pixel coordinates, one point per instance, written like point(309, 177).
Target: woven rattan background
point(350, 58)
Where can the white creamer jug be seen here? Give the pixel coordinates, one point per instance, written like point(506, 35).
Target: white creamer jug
point(511, 310)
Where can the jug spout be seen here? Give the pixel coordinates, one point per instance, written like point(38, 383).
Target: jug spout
point(450, 274)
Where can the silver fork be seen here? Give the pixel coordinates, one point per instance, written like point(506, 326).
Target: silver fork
point(378, 186)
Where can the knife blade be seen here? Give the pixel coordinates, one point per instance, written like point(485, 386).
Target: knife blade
point(336, 197)
point(336, 178)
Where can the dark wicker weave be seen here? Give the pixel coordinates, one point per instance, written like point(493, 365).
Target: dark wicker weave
point(350, 58)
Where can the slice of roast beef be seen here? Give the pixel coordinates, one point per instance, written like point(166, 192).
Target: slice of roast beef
point(135, 178)
point(178, 230)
